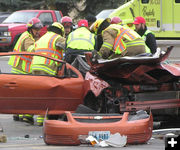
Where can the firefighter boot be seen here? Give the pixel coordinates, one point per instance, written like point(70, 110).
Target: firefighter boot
point(18, 117)
point(28, 118)
point(40, 120)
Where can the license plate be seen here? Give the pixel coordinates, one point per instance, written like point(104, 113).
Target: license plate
point(100, 135)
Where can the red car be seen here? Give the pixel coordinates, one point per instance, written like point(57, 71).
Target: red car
point(36, 94)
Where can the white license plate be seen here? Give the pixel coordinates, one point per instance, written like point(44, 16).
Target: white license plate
point(100, 135)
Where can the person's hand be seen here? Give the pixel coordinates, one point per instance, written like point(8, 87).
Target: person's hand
point(95, 56)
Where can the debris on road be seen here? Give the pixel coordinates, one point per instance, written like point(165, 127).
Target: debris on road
point(115, 140)
point(3, 139)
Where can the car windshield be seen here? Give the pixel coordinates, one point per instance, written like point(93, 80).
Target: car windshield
point(20, 17)
point(104, 14)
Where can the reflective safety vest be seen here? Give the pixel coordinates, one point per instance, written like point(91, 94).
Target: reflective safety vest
point(126, 38)
point(26, 60)
point(145, 34)
point(46, 46)
point(81, 39)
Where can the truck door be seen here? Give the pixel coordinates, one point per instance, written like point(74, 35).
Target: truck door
point(151, 11)
point(176, 20)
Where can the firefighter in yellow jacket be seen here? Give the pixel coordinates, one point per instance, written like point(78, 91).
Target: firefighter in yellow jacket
point(22, 64)
point(117, 41)
point(79, 41)
point(52, 44)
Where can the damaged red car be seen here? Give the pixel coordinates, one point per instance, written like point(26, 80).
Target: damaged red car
point(34, 94)
point(134, 83)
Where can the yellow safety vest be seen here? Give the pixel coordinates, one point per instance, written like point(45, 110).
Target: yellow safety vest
point(26, 60)
point(125, 33)
point(81, 39)
point(46, 46)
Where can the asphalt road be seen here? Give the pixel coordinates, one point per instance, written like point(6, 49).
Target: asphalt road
point(16, 132)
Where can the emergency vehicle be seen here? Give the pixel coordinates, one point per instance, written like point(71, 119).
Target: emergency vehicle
point(161, 16)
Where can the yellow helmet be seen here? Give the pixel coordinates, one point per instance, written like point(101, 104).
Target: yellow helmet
point(95, 26)
point(60, 26)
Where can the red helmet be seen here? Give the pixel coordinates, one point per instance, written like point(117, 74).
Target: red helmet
point(83, 23)
point(34, 23)
point(66, 21)
point(116, 20)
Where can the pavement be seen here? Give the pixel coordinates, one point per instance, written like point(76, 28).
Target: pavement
point(21, 135)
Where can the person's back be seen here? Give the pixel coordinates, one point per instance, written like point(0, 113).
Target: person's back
point(118, 41)
point(79, 41)
point(47, 45)
point(147, 35)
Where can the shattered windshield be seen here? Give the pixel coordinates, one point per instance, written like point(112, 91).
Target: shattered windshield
point(20, 17)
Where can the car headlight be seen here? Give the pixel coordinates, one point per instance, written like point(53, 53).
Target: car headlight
point(7, 33)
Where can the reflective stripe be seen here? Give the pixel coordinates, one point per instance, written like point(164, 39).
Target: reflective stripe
point(28, 66)
point(28, 115)
point(51, 42)
point(119, 38)
point(40, 119)
point(44, 68)
point(48, 51)
point(15, 61)
point(19, 44)
point(135, 43)
point(122, 47)
point(26, 58)
point(131, 36)
point(82, 39)
point(17, 71)
point(105, 44)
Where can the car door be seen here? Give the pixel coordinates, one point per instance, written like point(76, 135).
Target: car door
point(35, 94)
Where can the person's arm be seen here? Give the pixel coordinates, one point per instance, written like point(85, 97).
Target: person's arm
point(151, 42)
point(28, 45)
point(60, 43)
point(108, 42)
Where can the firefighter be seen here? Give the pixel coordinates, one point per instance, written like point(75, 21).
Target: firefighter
point(117, 41)
point(68, 25)
point(79, 41)
point(147, 35)
point(22, 64)
point(52, 44)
